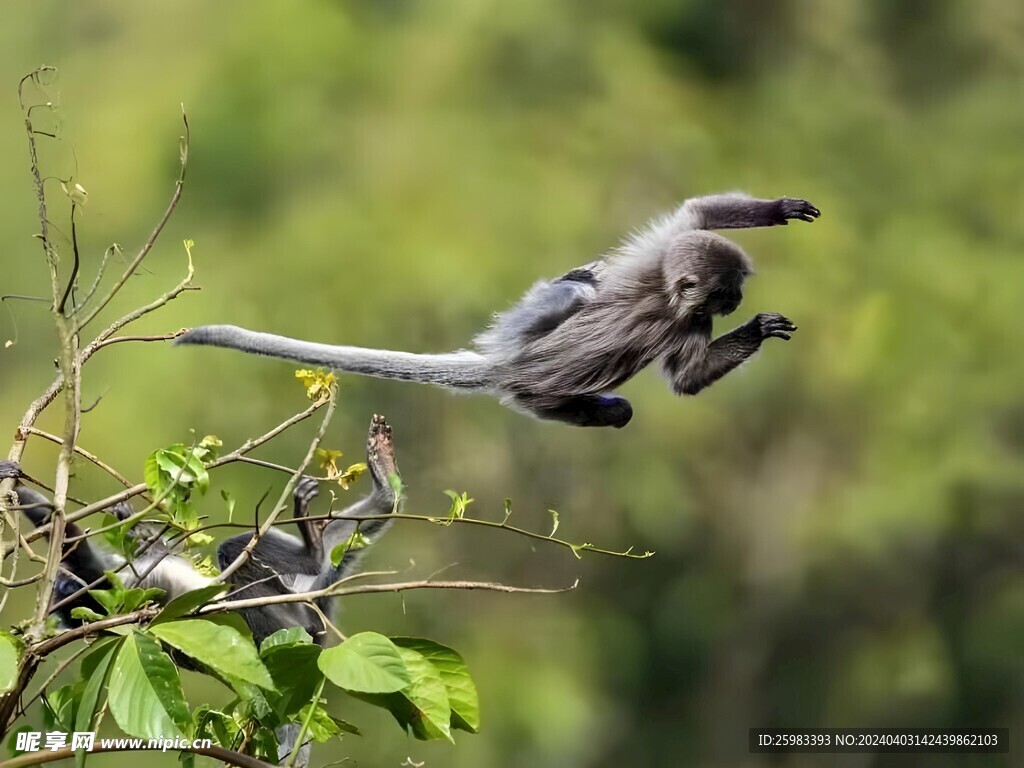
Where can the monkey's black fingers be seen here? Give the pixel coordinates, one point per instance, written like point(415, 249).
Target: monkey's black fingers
point(9, 469)
point(773, 325)
point(793, 208)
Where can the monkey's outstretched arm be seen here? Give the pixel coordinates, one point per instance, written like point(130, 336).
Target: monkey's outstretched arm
point(738, 211)
point(689, 375)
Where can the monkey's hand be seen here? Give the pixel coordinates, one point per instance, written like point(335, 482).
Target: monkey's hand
point(786, 208)
point(768, 325)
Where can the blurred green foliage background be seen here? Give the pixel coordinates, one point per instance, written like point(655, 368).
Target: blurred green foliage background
point(838, 528)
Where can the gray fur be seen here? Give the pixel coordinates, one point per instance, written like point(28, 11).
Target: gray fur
point(562, 349)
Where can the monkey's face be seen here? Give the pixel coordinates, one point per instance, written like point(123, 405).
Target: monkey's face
point(725, 297)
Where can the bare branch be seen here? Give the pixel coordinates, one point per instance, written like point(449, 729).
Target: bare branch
point(366, 589)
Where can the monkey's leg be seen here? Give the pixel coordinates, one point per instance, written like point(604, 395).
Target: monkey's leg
point(736, 211)
point(588, 411)
point(726, 353)
point(382, 500)
point(541, 309)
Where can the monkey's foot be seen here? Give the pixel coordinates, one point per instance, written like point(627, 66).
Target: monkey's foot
point(380, 452)
point(792, 208)
point(773, 325)
point(590, 411)
point(305, 491)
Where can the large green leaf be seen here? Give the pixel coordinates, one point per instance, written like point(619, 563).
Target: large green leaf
point(233, 620)
point(187, 603)
point(221, 648)
point(365, 663)
point(94, 671)
point(461, 689)
point(10, 652)
point(145, 691)
point(422, 707)
point(296, 675)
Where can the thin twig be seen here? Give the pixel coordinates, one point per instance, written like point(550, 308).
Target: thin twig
point(159, 337)
point(366, 589)
point(115, 248)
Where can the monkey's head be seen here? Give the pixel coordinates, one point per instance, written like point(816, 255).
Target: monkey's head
point(705, 274)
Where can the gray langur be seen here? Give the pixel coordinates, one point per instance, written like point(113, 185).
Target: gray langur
point(280, 563)
point(562, 349)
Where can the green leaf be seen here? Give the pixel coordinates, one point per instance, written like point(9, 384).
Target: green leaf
point(216, 725)
point(133, 598)
point(232, 620)
point(10, 652)
point(265, 744)
point(94, 670)
point(353, 543)
point(395, 481)
point(462, 694)
point(365, 663)
point(422, 707)
point(145, 691)
point(109, 599)
point(176, 464)
point(256, 704)
point(221, 648)
point(296, 676)
point(187, 603)
point(60, 704)
point(83, 613)
point(320, 726)
point(285, 637)
point(151, 474)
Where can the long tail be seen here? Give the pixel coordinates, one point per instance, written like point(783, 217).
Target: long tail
point(458, 370)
